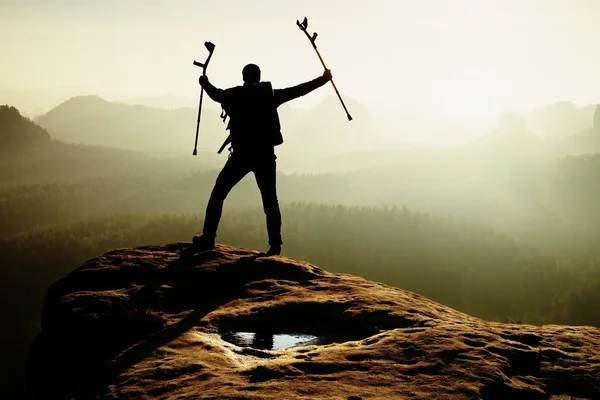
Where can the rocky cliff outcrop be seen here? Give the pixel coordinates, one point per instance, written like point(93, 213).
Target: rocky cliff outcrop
point(167, 322)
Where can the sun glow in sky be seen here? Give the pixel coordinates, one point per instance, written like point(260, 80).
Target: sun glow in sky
point(474, 96)
point(470, 58)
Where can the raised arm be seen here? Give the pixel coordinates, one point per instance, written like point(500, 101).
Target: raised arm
point(291, 93)
point(214, 93)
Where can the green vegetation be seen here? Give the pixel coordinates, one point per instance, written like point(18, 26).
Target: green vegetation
point(18, 133)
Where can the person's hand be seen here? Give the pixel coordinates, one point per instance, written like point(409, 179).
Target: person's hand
point(202, 80)
point(327, 74)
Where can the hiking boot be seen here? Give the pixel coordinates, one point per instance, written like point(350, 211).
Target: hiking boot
point(203, 243)
point(273, 251)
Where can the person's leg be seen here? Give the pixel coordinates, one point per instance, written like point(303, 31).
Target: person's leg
point(265, 173)
point(233, 171)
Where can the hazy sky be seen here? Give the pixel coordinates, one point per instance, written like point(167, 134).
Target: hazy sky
point(469, 57)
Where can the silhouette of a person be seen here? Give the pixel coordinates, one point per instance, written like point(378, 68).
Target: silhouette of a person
point(254, 131)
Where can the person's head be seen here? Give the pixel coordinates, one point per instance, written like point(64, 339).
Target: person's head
point(251, 74)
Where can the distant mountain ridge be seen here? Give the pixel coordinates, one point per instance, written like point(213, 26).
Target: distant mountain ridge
point(561, 118)
point(19, 133)
point(315, 139)
point(167, 101)
point(94, 120)
point(326, 127)
point(29, 153)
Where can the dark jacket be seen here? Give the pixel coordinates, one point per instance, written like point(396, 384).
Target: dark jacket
point(254, 123)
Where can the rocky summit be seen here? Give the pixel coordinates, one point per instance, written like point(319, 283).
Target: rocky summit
point(166, 322)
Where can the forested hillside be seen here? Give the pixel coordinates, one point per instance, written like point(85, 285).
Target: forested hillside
point(19, 134)
point(509, 237)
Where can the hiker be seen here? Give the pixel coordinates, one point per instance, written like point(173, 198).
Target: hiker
point(254, 132)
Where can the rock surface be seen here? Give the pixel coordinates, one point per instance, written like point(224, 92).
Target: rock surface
point(146, 323)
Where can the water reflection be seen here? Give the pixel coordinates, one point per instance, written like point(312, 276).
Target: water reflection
point(269, 341)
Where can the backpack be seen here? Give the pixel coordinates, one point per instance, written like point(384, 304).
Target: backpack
point(253, 118)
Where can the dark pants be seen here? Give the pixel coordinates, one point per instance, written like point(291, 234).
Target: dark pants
point(237, 167)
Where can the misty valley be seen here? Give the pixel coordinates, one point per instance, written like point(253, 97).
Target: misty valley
point(505, 227)
point(387, 199)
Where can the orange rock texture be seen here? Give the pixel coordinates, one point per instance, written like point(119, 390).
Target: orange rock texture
point(147, 323)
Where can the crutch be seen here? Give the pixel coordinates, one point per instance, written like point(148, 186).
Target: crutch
point(210, 47)
point(303, 26)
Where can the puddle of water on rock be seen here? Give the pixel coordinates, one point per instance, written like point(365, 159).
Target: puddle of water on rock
point(264, 341)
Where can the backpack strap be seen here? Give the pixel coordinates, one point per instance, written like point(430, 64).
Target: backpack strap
point(225, 143)
point(228, 140)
